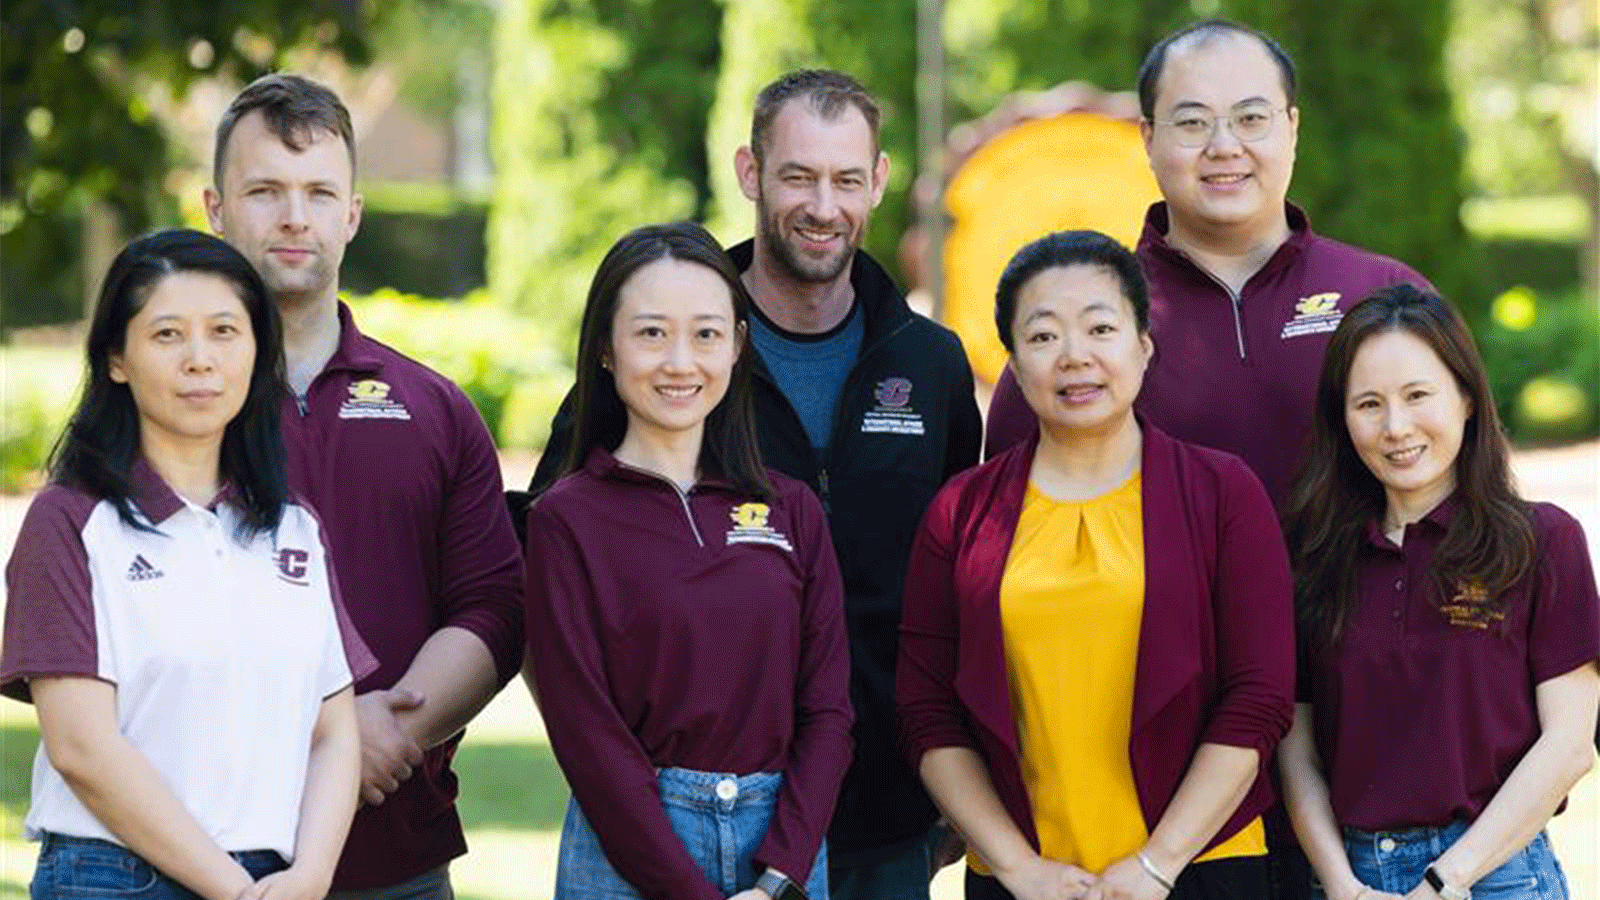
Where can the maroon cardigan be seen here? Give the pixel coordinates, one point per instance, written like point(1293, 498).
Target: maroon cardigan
point(1216, 643)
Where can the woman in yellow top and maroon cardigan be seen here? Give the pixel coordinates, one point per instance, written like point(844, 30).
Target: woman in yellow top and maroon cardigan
point(1096, 655)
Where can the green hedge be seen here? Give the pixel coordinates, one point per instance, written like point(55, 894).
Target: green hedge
point(1543, 355)
point(418, 239)
point(38, 386)
point(508, 364)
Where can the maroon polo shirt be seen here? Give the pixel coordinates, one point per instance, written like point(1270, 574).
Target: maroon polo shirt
point(403, 474)
point(1216, 638)
point(1237, 373)
point(1419, 721)
point(700, 630)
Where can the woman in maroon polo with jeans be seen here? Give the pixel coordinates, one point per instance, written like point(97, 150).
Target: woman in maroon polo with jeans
point(685, 612)
point(1449, 629)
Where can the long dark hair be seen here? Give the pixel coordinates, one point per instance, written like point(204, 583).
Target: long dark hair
point(1490, 539)
point(729, 446)
point(97, 449)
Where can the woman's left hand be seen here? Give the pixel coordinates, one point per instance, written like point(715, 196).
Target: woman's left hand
point(293, 883)
point(1125, 879)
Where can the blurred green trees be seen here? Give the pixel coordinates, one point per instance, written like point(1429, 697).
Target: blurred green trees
point(607, 114)
point(1380, 152)
point(77, 134)
point(584, 149)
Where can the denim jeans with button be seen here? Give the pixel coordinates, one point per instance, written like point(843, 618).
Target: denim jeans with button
point(74, 868)
point(1393, 861)
point(721, 819)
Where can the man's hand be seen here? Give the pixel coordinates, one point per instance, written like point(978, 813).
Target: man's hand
point(388, 753)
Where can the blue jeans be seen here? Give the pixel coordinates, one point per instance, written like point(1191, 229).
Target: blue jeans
point(1393, 861)
point(721, 829)
point(433, 884)
point(74, 868)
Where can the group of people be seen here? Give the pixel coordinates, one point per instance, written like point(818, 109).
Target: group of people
point(1246, 521)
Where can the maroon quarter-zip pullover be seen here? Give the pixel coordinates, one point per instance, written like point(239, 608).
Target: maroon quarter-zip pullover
point(702, 630)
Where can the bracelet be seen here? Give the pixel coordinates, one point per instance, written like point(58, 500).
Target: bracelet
point(1151, 870)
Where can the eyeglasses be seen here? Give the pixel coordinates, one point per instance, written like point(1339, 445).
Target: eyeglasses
point(1247, 123)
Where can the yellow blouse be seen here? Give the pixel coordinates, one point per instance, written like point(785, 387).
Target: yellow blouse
point(1071, 603)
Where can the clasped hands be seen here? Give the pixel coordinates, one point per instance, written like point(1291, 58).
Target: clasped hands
point(1048, 879)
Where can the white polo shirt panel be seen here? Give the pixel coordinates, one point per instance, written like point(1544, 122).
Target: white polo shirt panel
point(221, 652)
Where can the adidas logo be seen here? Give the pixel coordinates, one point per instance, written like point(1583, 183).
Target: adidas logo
point(141, 570)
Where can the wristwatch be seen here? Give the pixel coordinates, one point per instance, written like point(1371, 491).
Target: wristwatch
point(778, 887)
point(1445, 891)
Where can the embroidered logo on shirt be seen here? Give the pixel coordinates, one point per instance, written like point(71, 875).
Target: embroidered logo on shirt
point(1469, 608)
point(1316, 314)
point(292, 566)
point(893, 413)
point(142, 570)
point(750, 527)
point(369, 399)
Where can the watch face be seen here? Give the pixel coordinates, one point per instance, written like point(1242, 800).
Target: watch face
point(780, 888)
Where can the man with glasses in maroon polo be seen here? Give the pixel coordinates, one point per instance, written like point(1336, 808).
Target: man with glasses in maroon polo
point(1243, 294)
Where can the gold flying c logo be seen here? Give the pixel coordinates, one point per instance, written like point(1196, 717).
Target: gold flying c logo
point(370, 390)
point(1318, 304)
point(750, 515)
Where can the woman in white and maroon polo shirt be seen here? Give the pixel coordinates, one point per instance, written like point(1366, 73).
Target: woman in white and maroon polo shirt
point(685, 611)
point(170, 611)
point(1449, 629)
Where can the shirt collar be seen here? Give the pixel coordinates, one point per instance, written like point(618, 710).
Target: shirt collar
point(354, 352)
point(1157, 221)
point(151, 494)
point(1437, 519)
point(602, 464)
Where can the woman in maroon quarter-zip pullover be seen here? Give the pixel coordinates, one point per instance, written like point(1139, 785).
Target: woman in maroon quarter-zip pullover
point(685, 614)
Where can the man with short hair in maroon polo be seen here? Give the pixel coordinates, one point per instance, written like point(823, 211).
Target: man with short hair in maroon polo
point(403, 473)
point(1243, 294)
